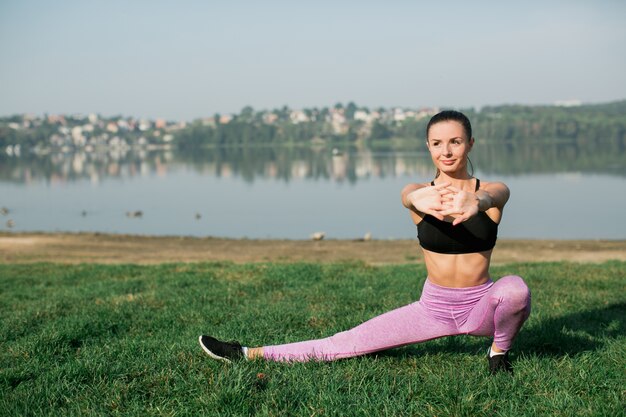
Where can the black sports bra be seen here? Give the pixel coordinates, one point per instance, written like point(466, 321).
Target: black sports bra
point(477, 234)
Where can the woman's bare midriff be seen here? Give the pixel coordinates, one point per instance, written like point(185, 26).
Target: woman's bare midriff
point(457, 271)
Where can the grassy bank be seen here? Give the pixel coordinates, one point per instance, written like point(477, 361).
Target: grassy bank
point(122, 339)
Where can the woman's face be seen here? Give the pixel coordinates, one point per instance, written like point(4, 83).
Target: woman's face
point(449, 145)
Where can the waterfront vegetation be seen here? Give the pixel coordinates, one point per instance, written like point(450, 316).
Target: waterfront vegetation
point(122, 339)
point(512, 140)
point(585, 125)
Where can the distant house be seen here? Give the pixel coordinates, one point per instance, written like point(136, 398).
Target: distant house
point(270, 118)
point(77, 136)
point(398, 115)
point(208, 121)
point(112, 127)
point(144, 125)
point(298, 116)
point(362, 115)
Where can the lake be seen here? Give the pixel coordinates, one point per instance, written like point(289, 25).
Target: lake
point(557, 191)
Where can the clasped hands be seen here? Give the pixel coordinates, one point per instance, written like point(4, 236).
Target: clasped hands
point(443, 200)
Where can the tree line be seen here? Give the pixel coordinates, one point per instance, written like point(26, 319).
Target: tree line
point(586, 125)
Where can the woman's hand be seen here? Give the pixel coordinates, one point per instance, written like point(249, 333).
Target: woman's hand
point(462, 204)
point(443, 200)
point(432, 200)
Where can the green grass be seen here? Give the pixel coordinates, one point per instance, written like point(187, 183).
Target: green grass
point(106, 340)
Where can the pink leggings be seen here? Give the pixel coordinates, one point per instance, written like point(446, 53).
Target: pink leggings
point(494, 309)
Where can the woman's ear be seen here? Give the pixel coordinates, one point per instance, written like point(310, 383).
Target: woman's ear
point(471, 143)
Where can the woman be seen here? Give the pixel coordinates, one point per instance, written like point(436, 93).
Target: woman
point(457, 219)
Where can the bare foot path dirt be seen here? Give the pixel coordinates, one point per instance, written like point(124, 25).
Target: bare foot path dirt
point(109, 248)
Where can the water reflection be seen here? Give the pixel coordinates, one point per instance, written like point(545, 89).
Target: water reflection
point(288, 163)
point(291, 192)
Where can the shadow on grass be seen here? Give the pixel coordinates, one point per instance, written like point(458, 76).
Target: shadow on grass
point(574, 333)
point(557, 336)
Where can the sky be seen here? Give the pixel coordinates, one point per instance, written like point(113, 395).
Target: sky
point(188, 59)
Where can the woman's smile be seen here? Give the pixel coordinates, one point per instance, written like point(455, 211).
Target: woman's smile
point(449, 145)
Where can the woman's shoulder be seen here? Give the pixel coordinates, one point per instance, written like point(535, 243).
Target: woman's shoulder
point(415, 186)
point(495, 185)
point(498, 191)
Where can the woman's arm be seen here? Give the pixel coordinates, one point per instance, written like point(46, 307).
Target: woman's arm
point(493, 194)
point(466, 204)
point(408, 189)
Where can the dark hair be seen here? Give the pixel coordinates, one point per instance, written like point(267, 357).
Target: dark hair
point(451, 115)
point(455, 116)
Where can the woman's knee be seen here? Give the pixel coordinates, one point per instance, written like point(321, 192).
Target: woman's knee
point(514, 291)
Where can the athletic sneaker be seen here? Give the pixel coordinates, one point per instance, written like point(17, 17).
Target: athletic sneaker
point(222, 351)
point(499, 363)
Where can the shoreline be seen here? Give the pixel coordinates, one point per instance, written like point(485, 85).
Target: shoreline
point(74, 248)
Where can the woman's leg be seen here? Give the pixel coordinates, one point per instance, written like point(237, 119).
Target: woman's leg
point(405, 325)
point(501, 312)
